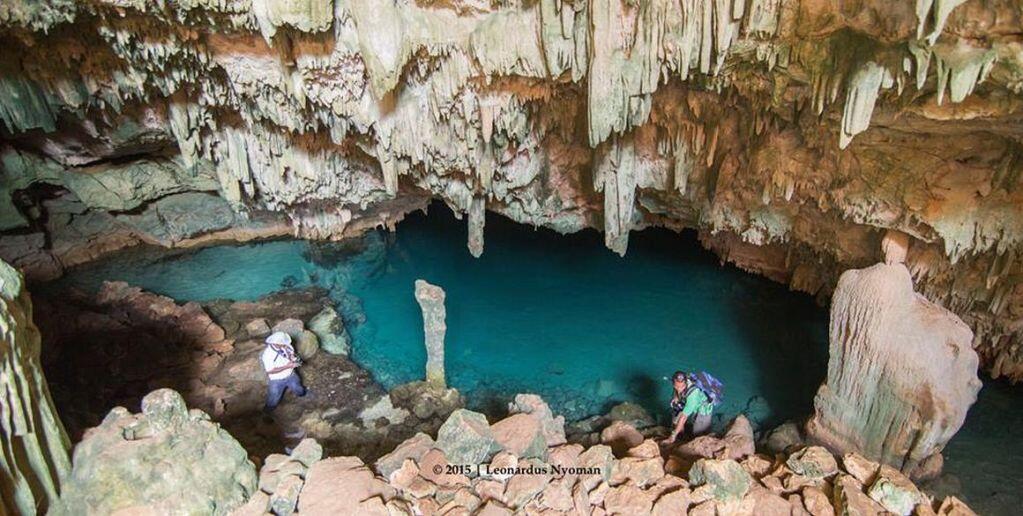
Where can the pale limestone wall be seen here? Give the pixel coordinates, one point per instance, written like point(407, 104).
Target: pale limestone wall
point(34, 459)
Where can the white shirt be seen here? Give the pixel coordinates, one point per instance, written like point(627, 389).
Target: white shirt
point(272, 360)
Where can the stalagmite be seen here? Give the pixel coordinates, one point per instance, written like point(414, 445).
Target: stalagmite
point(895, 247)
point(34, 461)
point(431, 301)
point(902, 372)
point(477, 219)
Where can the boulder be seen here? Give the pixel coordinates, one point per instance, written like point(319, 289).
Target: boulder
point(337, 485)
point(257, 328)
point(849, 499)
point(952, 506)
point(902, 371)
point(115, 463)
point(738, 439)
point(628, 499)
point(784, 438)
point(522, 435)
point(728, 481)
point(814, 462)
point(307, 452)
point(599, 457)
point(672, 503)
point(330, 329)
point(894, 491)
point(636, 471)
point(862, 469)
point(522, 487)
point(816, 502)
point(285, 497)
point(466, 438)
point(620, 437)
point(305, 342)
point(412, 448)
point(553, 427)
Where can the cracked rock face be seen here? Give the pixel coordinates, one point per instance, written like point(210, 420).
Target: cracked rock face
point(791, 134)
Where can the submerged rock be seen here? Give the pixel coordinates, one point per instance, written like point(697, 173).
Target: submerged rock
point(166, 459)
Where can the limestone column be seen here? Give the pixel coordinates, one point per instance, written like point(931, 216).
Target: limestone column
point(431, 301)
point(34, 459)
point(902, 371)
point(477, 219)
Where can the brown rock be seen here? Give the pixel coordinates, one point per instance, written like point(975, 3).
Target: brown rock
point(862, 469)
point(336, 486)
point(580, 499)
point(557, 495)
point(522, 435)
point(627, 499)
point(489, 489)
point(373, 506)
point(648, 449)
point(849, 499)
point(494, 508)
point(412, 448)
point(672, 503)
point(766, 503)
point(739, 439)
point(757, 465)
point(816, 502)
point(703, 509)
point(620, 436)
point(434, 467)
point(599, 457)
point(522, 487)
point(501, 467)
point(257, 505)
point(640, 472)
point(814, 462)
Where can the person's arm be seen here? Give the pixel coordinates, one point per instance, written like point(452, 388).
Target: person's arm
point(285, 367)
point(679, 426)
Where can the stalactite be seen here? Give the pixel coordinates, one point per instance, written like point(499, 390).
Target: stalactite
point(35, 459)
point(961, 68)
point(864, 86)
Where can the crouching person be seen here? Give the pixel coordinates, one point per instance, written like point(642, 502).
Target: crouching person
point(279, 362)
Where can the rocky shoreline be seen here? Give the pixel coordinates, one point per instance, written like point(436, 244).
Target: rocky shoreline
point(521, 464)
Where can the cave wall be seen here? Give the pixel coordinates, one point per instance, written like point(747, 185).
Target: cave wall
point(33, 446)
point(790, 133)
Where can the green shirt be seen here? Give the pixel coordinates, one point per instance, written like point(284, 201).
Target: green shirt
point(697, 403)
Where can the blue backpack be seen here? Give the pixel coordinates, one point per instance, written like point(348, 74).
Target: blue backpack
point(710, 386)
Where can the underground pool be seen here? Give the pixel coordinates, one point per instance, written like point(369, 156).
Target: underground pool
point(538, 312)
point(561, 316)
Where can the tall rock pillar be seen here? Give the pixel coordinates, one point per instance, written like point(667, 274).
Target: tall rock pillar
point(34, 459)
point(901, 373)
point(431, 301)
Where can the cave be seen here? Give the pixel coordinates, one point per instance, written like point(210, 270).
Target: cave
point(503, 240)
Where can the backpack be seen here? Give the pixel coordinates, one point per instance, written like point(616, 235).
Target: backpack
point(710, 386)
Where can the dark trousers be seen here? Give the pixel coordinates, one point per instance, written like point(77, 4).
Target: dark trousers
point(275, 390)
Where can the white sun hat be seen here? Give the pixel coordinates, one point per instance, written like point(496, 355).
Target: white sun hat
point(279, 338)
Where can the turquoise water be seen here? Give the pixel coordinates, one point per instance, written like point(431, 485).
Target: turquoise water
point(539, 312)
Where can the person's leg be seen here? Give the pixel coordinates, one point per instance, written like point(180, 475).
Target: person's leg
point(701, 424)
point(295, 385)
point(274, 393)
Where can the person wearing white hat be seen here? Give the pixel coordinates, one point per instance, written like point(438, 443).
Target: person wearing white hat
point(279, 362)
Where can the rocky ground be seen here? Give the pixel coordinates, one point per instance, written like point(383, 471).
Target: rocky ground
point(111, 349)
point(518, 465)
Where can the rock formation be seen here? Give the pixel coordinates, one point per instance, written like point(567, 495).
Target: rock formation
point(165, 460)
point(901, 374)
point(431, 301)
point(34, 458)
point(791, 134)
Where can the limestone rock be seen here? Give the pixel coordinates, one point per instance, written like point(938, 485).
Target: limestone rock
point(814, 462)
point(553, 427)
point(894, 491)
point(738, 439)
point(337, 485)
point(848, 498)
point(522, 435)
point(466, 438)
point(115, 464)
point(36, 447)
point(257, 328)
point(726, 478)
point(331, 332)
point(431, 301)
point(412, 448)
point(633, 414)
point(620, 436)
point(784, 438)
point(952, 506)
point(901, 373)
point(627, 499)
point(861, 468)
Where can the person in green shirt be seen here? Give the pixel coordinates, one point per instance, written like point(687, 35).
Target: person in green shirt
point(688, 404)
